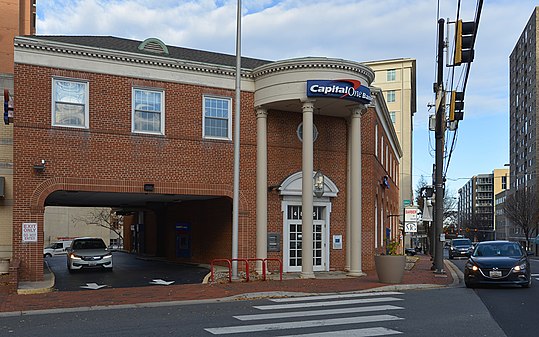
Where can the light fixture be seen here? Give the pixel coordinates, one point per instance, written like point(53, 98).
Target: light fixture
point(148, 187)
point(318, 184)
point(318, 176)
point(39, 168)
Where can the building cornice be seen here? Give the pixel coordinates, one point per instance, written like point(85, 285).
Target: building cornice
point(311, 63)
point(125, 57)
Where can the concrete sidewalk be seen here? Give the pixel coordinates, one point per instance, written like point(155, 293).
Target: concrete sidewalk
point(418, 276)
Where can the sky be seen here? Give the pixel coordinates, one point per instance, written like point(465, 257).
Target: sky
point(357, 30)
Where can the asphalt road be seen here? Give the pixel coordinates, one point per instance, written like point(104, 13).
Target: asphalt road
point(512, 307)
point(448, 312)
point(129, 271)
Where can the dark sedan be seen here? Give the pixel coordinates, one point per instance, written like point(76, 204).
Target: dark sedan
point(498, 262)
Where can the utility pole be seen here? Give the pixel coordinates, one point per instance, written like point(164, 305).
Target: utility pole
point(438, 176)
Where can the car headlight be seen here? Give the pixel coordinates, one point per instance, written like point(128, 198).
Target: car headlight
point(74, 257)
point(519, 268)
point(471, 266)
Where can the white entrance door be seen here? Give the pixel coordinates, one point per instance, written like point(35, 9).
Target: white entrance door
point(292, 239)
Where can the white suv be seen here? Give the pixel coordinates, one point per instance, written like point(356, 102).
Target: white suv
point(88, 253)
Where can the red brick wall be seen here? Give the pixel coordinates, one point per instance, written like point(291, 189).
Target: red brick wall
point(108, 157)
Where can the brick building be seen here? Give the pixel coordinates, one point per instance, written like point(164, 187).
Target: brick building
point(147, 128)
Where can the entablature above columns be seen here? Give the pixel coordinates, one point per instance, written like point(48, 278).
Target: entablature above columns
point(282, 85)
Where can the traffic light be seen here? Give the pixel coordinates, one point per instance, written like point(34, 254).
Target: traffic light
point(8, 108)
point(456, 106)
point(464, 41)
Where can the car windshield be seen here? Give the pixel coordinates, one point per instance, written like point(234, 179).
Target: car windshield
point(498, 249)
point(89, 244)
point(462, 242)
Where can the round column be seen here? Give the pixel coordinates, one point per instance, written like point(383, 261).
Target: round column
point(307, 192)
point(355, 192)
point(261, 187)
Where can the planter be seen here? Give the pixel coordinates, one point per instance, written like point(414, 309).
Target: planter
point(390, 268)
point(4, 266)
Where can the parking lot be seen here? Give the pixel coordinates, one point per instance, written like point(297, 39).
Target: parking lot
point(129, 271)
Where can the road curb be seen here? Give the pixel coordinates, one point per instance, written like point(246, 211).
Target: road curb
point(456, 274)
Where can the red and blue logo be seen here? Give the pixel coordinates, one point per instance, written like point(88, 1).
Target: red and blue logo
point(343, 89)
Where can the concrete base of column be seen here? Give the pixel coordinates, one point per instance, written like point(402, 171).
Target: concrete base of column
point(356, 273)
point(307, 275)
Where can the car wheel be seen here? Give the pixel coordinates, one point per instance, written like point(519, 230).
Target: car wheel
point(48, 255)
point(527, 285)
point(468, 284)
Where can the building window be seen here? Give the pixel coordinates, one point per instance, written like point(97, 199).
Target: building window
point(391, 75)
point(391, 96)
point(392, 114)
point(148, 111)
point(69, 103)
point(217, 118)
point(299, 132)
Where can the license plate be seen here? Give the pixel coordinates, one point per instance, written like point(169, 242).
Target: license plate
point(93, 264)
point(495, 273)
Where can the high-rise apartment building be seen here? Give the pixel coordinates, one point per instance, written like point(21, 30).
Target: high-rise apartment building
point(397, 79)
point(476, 206)
point(524, 106)
point(17, 17)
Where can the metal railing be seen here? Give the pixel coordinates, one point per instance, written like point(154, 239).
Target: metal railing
point(264, 263)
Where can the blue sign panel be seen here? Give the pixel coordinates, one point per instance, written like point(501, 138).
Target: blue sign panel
point(351, 90)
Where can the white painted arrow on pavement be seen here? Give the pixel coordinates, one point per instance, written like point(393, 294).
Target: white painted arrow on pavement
point(93, 286)
point(161, 282)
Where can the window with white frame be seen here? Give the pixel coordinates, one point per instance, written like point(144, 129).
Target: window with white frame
point(392, 114)
point(70, 103)
point(148, 115)
point(391, 75)
point(391, 96)
point(217, 119)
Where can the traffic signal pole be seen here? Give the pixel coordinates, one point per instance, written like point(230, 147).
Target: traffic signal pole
point(438, 175)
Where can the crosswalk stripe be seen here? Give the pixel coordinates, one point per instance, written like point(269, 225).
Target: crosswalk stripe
point(326, 303)
point(365, 332)
point(322, 297)
point(301, 324)
point(316, 312)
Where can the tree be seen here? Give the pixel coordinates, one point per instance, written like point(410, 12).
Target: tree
point(521, 209)
point(106, 218)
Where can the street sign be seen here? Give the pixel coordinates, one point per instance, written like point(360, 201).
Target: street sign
point(410, 214)
point(29, 232)
point(410, 227)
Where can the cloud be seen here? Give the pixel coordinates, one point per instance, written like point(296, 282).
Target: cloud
point(360, 30)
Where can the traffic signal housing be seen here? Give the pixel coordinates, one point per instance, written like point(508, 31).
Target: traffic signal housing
point(464, 41)
point(456, 106)
point(8, 108)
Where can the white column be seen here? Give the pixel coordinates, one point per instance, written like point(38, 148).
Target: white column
point(348, 192)
point(307, 192)
point(261, 187)
point(355, 193)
